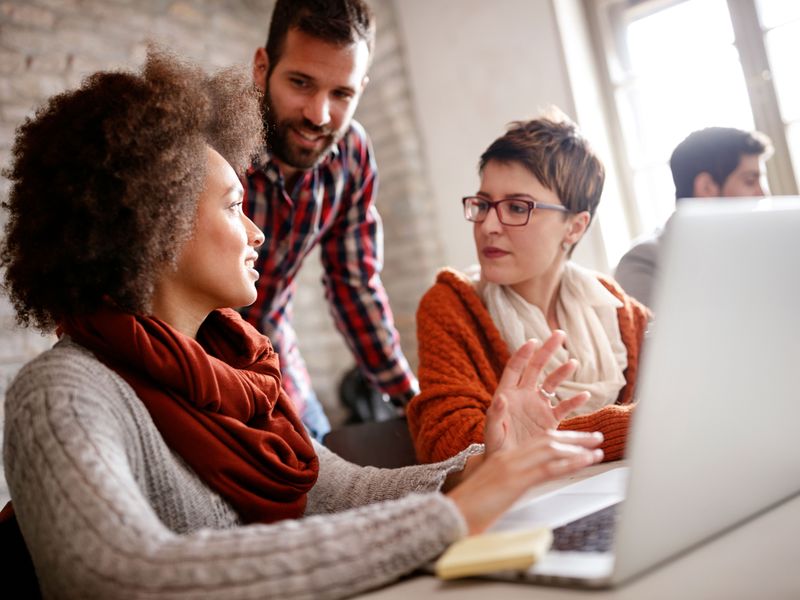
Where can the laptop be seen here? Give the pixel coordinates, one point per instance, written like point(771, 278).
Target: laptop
point(713, 441)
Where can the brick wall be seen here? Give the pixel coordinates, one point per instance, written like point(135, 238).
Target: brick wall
point(47, 46)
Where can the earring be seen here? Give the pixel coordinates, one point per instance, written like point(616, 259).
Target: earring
point(564, 246)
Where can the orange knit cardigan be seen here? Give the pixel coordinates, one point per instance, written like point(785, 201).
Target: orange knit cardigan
point(461, 358)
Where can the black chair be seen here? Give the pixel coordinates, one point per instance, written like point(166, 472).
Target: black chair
point(19, 577)
point(364, 402)
point(384, 444)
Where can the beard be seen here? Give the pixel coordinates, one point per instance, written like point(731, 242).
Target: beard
point(279, 145)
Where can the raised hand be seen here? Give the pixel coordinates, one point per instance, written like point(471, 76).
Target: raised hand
point(521, 409)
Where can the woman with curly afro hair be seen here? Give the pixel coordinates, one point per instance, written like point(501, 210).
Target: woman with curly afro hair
point(152, 452)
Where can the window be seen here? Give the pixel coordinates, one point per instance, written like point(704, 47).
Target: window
point(780, 30)
point(675, 66)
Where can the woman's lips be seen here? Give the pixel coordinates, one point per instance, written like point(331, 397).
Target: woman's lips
point(250, 265)
point(492, 252)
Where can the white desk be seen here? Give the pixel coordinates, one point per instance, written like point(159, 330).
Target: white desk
point(759, 559)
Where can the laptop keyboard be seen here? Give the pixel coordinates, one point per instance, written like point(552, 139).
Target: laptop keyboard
point(592, 533)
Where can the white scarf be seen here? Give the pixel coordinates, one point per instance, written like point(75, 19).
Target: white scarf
point(587, 312)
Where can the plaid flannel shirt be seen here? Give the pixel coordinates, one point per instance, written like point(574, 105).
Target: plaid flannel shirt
point(332, 205)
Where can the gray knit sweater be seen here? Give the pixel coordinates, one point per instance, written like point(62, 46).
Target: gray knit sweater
point(108, 511)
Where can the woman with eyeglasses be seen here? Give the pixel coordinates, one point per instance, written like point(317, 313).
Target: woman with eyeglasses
point(540, 186)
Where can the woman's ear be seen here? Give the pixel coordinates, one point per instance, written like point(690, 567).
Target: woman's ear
point(579, 222)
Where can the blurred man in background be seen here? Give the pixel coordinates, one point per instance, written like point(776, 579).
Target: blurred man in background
point(710, 163)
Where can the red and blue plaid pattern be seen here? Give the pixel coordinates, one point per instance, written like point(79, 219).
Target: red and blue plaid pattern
point(331, 205)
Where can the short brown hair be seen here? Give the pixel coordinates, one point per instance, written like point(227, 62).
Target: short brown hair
point(105, 182)
point(556, 153)
point(338, 22)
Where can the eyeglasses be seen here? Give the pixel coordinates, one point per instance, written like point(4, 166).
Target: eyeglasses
point(513, 212)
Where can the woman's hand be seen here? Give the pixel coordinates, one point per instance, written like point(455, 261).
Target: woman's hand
point(501, 478)
point(520, 412)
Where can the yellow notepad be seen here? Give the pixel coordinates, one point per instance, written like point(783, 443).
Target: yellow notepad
point(488, 552)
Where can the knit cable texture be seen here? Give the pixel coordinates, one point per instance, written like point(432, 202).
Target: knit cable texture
point(108, 511)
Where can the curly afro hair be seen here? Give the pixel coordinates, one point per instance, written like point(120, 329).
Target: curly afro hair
point(105, 181)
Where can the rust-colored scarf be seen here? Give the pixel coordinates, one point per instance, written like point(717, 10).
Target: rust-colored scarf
point(218, 403)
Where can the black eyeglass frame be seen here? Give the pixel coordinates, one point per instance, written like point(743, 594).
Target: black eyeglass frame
point(532, 205)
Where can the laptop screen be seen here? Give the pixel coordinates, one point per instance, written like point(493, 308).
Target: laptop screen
point(713, 440)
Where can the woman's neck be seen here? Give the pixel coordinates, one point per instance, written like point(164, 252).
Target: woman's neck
point(542, 291)
point(186, 317)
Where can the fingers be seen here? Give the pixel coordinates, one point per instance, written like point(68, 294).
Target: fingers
point(561, 459)
point(561, 374)
point(586, 439)
point(503, 477)
point(563, 408)
point(495, 427)
point(525, 365)
point(570, 464)
point(539, 462)
point(553, 446)
point(539, 359)
point(516, 365)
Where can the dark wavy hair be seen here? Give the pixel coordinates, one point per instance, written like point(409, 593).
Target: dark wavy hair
point(338, 22)
point(105, 182)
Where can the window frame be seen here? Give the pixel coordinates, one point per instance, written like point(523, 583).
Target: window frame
point(606, 20)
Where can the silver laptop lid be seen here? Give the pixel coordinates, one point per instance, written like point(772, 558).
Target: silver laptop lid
point(715, 436)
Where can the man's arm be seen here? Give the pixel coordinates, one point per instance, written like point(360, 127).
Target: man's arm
point(636, 271)
point(352, 256)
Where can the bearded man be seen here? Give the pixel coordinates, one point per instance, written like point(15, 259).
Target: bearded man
point(315, 182)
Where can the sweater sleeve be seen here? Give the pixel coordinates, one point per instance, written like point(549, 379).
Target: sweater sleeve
point(342, 485)
point(457, 377)
point(612, 420)
point(93, 533)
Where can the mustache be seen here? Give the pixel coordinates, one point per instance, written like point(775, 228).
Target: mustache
point(272, 124)
point(311, 127)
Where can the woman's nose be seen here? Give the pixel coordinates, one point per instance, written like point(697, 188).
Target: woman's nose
point(492, 221)
point(255, 237)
